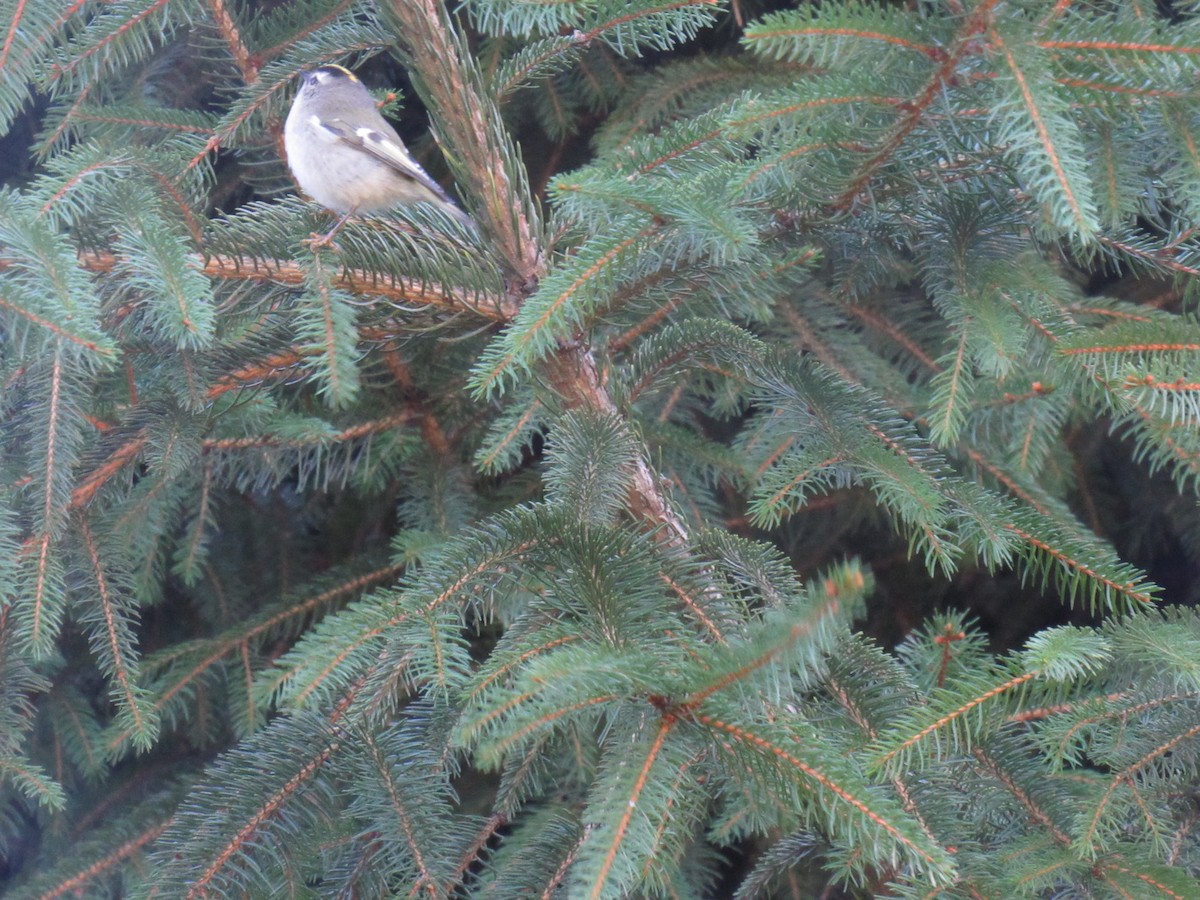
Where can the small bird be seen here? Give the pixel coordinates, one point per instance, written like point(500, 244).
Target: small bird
point(346, 156)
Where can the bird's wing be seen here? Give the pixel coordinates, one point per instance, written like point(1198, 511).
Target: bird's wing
point(387, 148)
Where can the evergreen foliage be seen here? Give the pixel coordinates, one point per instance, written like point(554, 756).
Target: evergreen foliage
point(789, 489)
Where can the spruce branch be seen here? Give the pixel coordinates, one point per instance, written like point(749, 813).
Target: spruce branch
point(113, 858)
point(1049, 160)
point(966, 42)
point(235, 41)
point(109, 38)
point(934, 856)
point(1091, 840)
point(905, 285)
point(360, 282)
point(476, 139)
point(212, 877)
point(88, 486)
point(572, 374)
point(114, 647)
point(630, 802)
point(56, 328)
point(171, 677)
point(307, 29)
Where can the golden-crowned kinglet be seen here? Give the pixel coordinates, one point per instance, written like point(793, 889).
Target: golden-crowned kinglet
point(346, 156)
